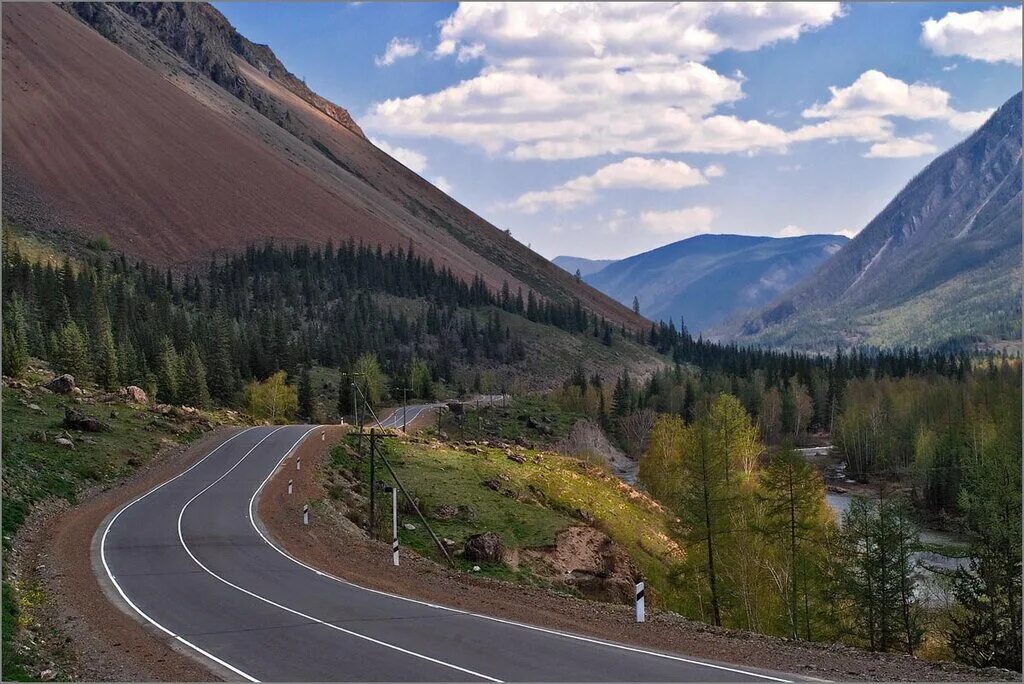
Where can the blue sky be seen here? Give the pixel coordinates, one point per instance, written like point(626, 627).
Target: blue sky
point(606, 130)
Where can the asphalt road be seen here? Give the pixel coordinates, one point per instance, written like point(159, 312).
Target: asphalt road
point(189, 559)
point(405, 415)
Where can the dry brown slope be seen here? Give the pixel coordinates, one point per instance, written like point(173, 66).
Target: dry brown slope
point(144, 148)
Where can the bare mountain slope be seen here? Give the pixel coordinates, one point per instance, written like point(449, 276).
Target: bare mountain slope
point(176, 137)
point(941, 262)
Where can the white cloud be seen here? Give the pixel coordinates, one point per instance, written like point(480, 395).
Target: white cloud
point(899, 148)
point(792, 231)
point(678, 223)
point(969, 121)
point(573, 80)
point(442, 184)
point(634, 172)
point(860, 110)
point(714, 170)
point(799, 231)
point(398, 48)
point(413, 160)
point(992, 35)
point(875, 94)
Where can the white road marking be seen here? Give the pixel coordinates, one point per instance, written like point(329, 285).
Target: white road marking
point(110, 575)
point(181, 538)
point(567, 635)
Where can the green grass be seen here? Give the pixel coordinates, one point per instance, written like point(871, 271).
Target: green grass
point(538, 499)
point(509, 422)
point(34, 471)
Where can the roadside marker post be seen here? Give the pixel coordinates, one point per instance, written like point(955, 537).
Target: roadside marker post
point(639, 601)
point(298, 463)
point(305, 514)
point(394, 523)
point(372, 522)
point(289, 486)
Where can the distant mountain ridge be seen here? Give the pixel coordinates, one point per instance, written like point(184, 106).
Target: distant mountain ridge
point(584, 266)
point(706, 279)
point(941, 262)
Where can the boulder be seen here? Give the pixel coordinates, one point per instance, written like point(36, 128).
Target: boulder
point(64, 442)
point(75, 420)
point(62, 384)
point(484, 548)
point(492, 484)
point(36, 407)
point(512, 456)
point(446, 512)
point(136, 395)
point(409, 526)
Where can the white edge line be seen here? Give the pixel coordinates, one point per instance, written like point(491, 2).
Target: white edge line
point(124, 596)
point(181, 538)
point(567, 635)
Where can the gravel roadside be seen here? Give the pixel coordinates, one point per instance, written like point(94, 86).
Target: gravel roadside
point(80, 631)
point(329, 544)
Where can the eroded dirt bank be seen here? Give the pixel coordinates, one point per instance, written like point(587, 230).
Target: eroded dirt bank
point(331, 545)
point(81, 632)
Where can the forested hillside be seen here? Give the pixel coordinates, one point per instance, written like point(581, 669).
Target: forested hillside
point(201, 338)
point(941, 262)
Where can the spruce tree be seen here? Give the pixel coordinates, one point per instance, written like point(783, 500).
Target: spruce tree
point(168, 372)
point(15, 338)
point(192, 387)
point(305, 395)
point(71, 353)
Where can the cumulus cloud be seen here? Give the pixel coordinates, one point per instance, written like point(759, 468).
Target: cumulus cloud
point(573, 80)
point(898, 148)
point(861, 110)
point(992, 35)
point(714, 170)
point(634, 172)
point(398, 48)
point(678, 223)
point(413, 160)
point(442, 184)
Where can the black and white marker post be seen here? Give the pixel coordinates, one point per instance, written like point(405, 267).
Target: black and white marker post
point(639, 601)
point(289, 486)
point(298, 463)
point(305, 514)
point(394, 523)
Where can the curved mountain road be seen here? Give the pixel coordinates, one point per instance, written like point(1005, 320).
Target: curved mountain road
point(190, 559)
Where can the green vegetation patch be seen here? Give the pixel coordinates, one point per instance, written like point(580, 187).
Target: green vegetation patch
point(468, 490)
point(537, 419)
point(36, 468)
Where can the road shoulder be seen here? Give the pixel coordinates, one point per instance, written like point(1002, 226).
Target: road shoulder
point(91, 636)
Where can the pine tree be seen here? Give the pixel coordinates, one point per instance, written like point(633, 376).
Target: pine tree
point(168, 372)
point(220, 366)
point(986, 616)
point(108, 368)
point(71, 352)
point(877, 545)
point(636, 306)
point(305, 395)
point(15, 338)
point(192, 387)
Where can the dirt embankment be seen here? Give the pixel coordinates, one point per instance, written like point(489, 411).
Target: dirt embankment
point(331, 545)
point(79, 630)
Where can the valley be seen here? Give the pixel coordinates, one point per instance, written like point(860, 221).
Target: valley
point(277, 407)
